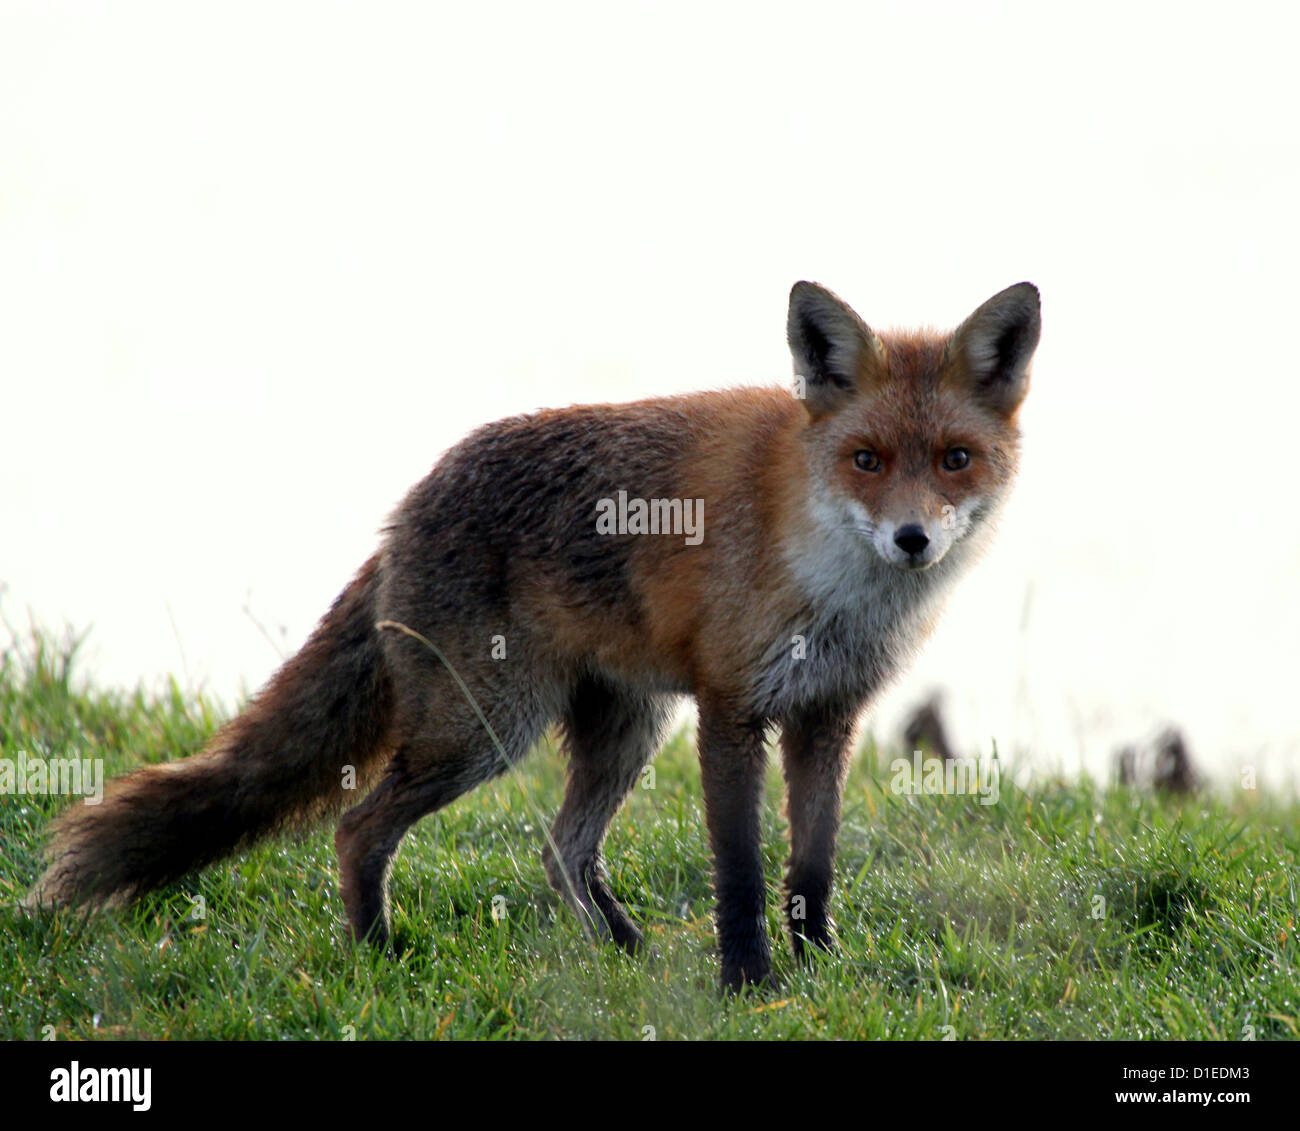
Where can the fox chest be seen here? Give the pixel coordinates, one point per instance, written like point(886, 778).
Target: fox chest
point(843, 651)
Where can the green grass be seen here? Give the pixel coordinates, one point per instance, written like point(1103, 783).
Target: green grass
point(956, 919)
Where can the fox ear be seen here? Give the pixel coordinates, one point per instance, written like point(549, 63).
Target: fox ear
point(832, 347)
point(995, 345)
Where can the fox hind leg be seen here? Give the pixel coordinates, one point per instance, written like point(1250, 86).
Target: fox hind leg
point(443, 753)
point(366, 841)
point(610, 735)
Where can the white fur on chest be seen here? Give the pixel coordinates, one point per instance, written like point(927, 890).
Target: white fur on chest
point(860, 619)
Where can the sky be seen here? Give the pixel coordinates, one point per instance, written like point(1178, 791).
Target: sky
point(260, 264)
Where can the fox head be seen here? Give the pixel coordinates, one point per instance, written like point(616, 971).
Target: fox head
point(911, 438)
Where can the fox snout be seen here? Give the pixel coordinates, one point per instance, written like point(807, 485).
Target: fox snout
point(911, 544)
point(911, 539)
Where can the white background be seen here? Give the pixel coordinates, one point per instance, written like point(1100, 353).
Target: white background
point(261, 263)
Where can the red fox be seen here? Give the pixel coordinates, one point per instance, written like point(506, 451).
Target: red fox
point(777, 557)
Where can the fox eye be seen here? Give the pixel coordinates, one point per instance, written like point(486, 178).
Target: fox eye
point(954, 459)
point(866, 461)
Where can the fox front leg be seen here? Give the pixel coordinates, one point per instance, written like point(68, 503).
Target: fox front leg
point(732, 761)
point(815, 747)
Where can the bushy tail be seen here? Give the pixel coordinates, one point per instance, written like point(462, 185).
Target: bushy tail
point(278, 765)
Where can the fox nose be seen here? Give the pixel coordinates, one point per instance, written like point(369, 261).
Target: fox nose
point(911, 539)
